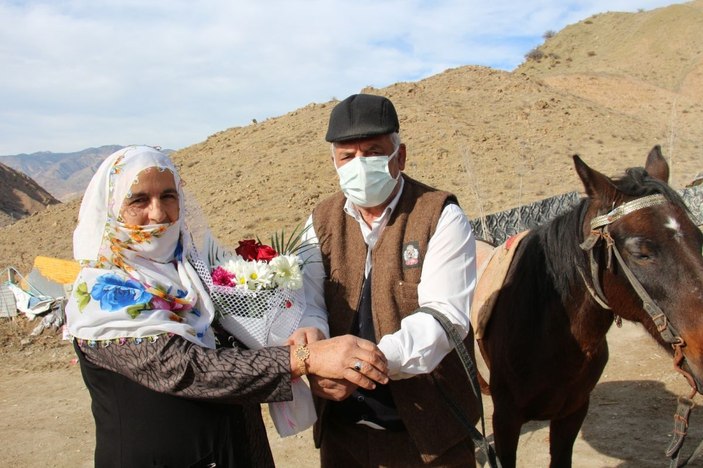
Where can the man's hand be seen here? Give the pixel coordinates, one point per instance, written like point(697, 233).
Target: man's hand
point(331, 389)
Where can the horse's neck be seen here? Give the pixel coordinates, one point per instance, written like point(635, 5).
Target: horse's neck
point(589, 322)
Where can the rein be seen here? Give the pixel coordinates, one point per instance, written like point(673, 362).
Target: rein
point(600, 231)
point(479, 438)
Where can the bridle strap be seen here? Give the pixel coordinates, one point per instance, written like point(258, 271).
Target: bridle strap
point(683, 411)
point(627, 208)
point(667, 332)
point(595, 294)
point(588, 245)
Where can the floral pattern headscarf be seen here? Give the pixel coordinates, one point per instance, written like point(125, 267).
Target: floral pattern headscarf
point(137, 281)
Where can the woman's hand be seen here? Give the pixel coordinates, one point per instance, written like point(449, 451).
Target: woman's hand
point(346, 357)
point(305, 335)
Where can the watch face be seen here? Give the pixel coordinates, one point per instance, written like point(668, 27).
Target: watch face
point(302, 352)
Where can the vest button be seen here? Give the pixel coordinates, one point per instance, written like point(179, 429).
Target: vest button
point(360, 398)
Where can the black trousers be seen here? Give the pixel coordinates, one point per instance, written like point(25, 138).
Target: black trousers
point(346, 445)
point(138, 427)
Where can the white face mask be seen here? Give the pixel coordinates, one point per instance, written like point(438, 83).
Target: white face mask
point(366, 181)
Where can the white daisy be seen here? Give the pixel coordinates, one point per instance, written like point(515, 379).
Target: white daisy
point(238, 267)
point(287, 272)
point(259, 275)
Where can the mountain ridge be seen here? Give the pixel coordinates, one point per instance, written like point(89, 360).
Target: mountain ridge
point(64, 175)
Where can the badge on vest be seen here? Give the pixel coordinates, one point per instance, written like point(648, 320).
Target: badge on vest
point(411, 255)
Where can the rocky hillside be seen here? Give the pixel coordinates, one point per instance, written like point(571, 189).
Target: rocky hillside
point(659, 50)
point(647, 66)
point(20, 196)
point(607, 88)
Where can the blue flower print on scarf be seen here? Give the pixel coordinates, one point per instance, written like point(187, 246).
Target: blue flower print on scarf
point(115, 293)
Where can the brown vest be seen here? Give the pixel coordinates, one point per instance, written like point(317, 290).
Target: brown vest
point(420, 404)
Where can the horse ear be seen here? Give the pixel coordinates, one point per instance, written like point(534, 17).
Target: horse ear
point(597, 185)
point(656, 165)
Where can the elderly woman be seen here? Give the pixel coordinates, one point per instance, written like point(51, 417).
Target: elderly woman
point(162, 393)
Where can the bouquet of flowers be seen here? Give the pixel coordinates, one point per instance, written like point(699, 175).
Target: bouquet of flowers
point(258, 293)
point(259, 297)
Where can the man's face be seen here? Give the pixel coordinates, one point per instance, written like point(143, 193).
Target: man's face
point(381, 145)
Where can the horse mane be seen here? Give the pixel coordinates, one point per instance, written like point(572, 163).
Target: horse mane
point(637, 183)
point(560, 239)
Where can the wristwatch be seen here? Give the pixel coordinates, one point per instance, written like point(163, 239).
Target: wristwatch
point(302, 353)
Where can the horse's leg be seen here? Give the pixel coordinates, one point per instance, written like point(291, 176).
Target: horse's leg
point(562, 435)
point(506, 433)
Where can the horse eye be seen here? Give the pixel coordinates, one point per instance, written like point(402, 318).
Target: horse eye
point(639, 248)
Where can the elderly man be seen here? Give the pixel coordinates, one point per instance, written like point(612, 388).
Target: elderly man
point(386, 245)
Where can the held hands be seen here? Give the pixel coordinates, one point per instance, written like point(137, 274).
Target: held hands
point(331, 389)
point(346, 357)
point(305, 335)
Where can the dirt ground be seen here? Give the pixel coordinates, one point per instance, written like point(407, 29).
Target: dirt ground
point(45, 418)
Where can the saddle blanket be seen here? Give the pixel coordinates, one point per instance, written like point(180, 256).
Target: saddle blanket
point(492, 264)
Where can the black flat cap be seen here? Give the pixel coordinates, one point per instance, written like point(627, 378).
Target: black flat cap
point(362, 116)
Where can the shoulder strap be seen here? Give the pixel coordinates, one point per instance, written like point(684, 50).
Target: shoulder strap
point(479, 438)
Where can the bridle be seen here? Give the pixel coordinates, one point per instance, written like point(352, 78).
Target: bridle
point(600, 231)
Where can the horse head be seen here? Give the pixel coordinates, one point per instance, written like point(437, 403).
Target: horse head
point(645, 257)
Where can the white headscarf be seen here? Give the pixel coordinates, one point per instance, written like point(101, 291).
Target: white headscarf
point(136, 281)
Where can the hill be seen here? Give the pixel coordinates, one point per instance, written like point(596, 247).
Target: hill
point(20, 196)
point(648, 66)
point(497, 139)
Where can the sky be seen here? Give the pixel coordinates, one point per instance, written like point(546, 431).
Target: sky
point(76, 74)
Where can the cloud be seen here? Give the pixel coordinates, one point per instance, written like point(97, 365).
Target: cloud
point(80, 73)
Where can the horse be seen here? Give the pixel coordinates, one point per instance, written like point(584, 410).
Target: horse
point(627, 250)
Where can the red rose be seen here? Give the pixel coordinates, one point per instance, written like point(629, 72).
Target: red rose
point(247, 249)
point(265, 253)
point(250, 249)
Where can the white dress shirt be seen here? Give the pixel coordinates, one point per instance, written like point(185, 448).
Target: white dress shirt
point(447, 283)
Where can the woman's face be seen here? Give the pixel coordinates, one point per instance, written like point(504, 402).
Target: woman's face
point(153, 200)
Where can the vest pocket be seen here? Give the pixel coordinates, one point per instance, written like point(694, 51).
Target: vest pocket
point(405, 296)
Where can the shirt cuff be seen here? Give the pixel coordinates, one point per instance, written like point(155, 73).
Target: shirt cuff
point(394, 356)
